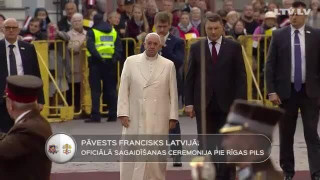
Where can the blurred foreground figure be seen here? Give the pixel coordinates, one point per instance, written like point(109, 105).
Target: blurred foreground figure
point(246, 118)
point(22, 149)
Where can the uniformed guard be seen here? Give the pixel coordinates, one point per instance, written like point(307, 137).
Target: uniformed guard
point(104, 49)
point(22, 148)
point(252, 118)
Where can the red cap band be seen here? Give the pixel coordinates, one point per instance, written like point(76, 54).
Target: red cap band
point(20, 98)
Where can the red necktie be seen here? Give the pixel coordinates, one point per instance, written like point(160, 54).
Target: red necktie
point(214, 53)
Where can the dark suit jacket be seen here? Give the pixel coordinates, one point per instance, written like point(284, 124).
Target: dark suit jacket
point(174, 50)
point(278, 67)
point(227, 78)
point(63, 24)
point(22, 149)
point(29, 62)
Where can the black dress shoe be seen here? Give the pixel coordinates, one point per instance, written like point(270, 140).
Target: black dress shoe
point(177, 162)
point(112, 119)
point(288, 177)
point(92, 121)
point(315, 177)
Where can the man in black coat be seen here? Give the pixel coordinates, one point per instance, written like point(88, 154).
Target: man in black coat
point(17, 58)
point(65, 23)
point(225, 80)
point(293, 82)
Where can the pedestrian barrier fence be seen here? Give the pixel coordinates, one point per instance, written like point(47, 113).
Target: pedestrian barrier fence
point(58, 67)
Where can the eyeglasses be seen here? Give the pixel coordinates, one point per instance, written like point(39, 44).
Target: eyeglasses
point(11, 28)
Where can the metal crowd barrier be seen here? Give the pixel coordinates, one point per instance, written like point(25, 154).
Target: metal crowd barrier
point(255, 50)
point(56, 108)
point(56, 63)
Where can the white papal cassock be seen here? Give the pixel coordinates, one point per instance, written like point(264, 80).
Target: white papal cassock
point(148, 96)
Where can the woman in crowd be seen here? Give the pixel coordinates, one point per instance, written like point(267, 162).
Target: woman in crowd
point(238, 29)
point(137, 26)
point(113, 18)
point(203, 6)
point(196, 18)
point(232, 18)
point(151, 11)
point(187, 31)
point(42, 14)
point(77, 37)
point(272, 6)
point(314, 18)
point(33, 32)
point(258, 5)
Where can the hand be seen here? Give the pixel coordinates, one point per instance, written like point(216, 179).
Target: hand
point(172, 123)
point(274, 98)
point(40, 107)
point(54, 25)
point(189, 111)
point(122, 31)
point(124, 121)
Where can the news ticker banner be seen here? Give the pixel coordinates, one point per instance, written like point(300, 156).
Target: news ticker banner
point(236, 148)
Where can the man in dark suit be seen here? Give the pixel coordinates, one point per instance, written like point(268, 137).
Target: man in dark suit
point(172, 49)
point(17, 58)
point(65, 23)
point(293, 82)
point(225, 76)
point(22, 148)
point(225, 79)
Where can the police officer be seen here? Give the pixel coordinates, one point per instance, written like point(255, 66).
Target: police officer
point(104, 49)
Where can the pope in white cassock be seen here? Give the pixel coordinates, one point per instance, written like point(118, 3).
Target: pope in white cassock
point(147, 103)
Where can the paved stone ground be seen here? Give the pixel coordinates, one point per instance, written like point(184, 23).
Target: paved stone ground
point(188, 126)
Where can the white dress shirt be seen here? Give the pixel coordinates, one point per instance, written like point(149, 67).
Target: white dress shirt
point(17, 54)
point(303, 52)
point(217, 45)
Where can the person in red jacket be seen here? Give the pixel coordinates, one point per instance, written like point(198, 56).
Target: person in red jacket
point(187, 31)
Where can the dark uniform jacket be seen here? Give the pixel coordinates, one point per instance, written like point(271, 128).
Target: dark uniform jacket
point(22, 149)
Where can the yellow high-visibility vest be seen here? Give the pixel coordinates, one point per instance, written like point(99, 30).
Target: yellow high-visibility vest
point(104, 43)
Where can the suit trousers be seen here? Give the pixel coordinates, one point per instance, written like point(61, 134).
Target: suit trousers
point(76, 96)
point(215, 119)
point(105, 72)
point(6, 122)
point(310, 117)
point(175, 134)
